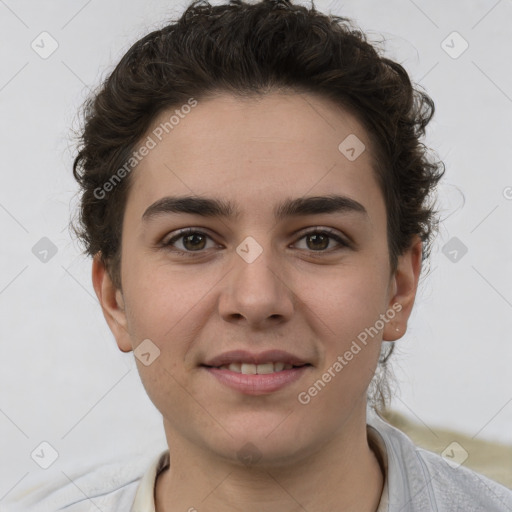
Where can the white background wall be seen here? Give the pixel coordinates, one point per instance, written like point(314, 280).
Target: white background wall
point(62, 377)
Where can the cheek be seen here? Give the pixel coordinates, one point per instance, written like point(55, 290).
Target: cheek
point(350, 335)
point(161, 300)
point(347, 299)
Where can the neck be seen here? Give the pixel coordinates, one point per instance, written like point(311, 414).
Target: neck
point(343, 475)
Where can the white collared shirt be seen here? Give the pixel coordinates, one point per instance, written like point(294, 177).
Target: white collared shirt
point(416, 480)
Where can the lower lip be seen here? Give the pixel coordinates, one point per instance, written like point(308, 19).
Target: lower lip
point(257, 384)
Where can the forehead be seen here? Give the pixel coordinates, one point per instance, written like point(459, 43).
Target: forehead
point(253, 149)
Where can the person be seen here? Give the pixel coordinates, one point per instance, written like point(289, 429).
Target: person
point(258, 203)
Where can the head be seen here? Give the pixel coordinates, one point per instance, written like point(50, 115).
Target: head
point(261, 107)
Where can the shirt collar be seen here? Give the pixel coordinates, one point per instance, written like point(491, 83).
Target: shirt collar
point(145, 497)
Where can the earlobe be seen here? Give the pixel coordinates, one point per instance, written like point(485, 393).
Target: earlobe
point(112, 303)
point(404, 285)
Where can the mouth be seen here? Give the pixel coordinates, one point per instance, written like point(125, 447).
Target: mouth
point(257, 369)
point(257, 374)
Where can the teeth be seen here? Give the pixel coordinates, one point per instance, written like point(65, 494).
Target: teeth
point(259, 369)
point(249, 369)
point(262, 369)
point(235, 367)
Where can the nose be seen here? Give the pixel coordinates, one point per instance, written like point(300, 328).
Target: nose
point(257, 291)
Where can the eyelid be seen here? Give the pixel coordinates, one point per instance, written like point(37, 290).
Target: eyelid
point(167, 241)
point(334, 233)
point(183, 232)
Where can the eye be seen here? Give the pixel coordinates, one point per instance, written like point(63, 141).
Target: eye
point(193, 241)
point(321, 238)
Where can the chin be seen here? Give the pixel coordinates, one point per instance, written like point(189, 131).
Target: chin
point(258, 442)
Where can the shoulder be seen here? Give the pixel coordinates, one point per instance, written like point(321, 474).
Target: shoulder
point(420, 480)
point(457, 485)
point(83, 487)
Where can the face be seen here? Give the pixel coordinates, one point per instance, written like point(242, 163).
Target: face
point(265, 275)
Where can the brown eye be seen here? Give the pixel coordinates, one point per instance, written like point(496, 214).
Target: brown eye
point(319, 240)
point(192, 241)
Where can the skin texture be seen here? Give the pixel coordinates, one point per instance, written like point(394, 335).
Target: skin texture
point(308, 297)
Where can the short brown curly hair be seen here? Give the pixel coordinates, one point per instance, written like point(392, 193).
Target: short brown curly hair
point(247, 50)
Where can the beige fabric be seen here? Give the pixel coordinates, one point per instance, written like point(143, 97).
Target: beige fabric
point(493, 460)
point(145, 497)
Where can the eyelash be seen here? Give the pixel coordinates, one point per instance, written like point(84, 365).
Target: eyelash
point(192, 231)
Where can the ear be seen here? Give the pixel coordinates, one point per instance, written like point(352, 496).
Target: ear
point(112, 304)
point(403, 287)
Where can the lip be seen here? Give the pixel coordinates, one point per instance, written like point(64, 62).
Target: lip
point(243, 356)
point(257, 384)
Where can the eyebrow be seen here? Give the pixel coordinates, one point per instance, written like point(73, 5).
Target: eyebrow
point(216, 208)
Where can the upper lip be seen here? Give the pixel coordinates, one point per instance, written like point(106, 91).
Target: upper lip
point(242, 356)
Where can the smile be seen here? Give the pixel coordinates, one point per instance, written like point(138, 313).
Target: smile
point(261, 379)
point(256, 369)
